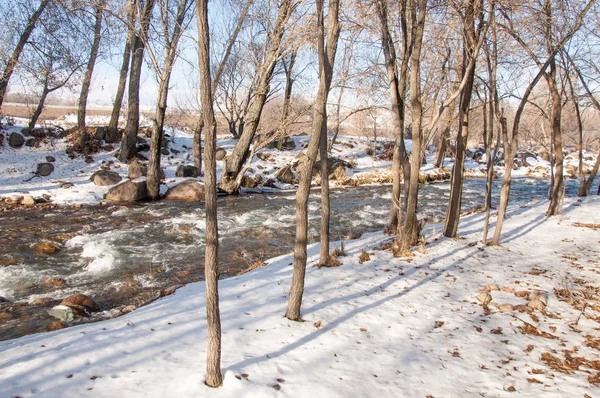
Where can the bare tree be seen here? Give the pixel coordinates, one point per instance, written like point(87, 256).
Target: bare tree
point(211, 274)
point(326, 53)
point(23, 39)
point(129, 140)
point(99, 6)
point(131, 9)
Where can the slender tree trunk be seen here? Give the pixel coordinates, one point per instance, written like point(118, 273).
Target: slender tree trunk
point(129, 140)
point(116, 111)
point(234, 162)
point(456, 180)
point(325, 206)
point(213, 355)
point(592, 176)
point(287, 99)
point(14, 58)
point(410, 227)
point(555, 207)
point(326, 61)
point(397, 90)
point(87, 77)
point(40, 106)
point(441, 154)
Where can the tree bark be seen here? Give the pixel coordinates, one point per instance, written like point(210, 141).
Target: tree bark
point(153, 175)
point(87, 77)
point(456, 180)
point(40, 106)
point(129, 140)
point(234, 162)
point(213, 355)
point(14, 58)
point(397, 90)
point(326, 61)
point(557, 193)
point(116, 111)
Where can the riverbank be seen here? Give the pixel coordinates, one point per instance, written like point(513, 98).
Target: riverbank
point(386, 326)
point(51, 165)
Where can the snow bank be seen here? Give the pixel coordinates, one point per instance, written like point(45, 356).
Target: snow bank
point(386, 327)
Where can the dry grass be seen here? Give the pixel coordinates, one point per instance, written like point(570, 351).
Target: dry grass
point(586, 225)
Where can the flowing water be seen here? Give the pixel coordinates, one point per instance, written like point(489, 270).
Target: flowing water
point(124, 255)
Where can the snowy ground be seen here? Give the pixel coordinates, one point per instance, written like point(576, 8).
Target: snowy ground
point(387, 327)
point(18, 165)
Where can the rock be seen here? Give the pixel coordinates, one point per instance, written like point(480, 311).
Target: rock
point(508, 289)
point(186, 171)
point(4, 300)
point(189, 191)
point(112, 135)
point(44, 169)
point(249, 182)
point(540, 296)
point(50, 159)
point(30, 142)
point(13, 199)
point(41, 301)
point(58, 325)
point(143, 147)
point(66, 185)
point(28, 200)
point(105, 178)
point(16, 140)
point(169, 290)
point(484, 297)
point(492, 287)
point(536, 305)
point(137, 170)
point(506, 307)
point(127, 309)
point(522, 294)
point(7, 260)
point(100, 133)
point(26, 132)
point(288, 144)
point(165, 151)
point(62, 312)
point(80, 304)
point(57, 283)
point(285, 175)
point(129, 191)
point(220, 154)
point(46, 247)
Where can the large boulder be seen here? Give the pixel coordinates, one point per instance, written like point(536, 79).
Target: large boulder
point(189, 191)
point(16, 140)
point(186, 171)
point(112, 135)
point(127, 192)
point(137, 170)
point(285, 175)
point(105, 178)
point(44, 169)
point(81, 304)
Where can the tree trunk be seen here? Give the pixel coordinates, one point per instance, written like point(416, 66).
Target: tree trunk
point(287, 99)
point(129, 139)
point(397, 90)
point(40, 106)
point(592, 176)
point(468, 69)
point(555, 207)
point(213, 355)
point(87, 77)
point(441, 154)
point(326, 60)
point(325, 207)
point(14, 58)
point(410, 229)
point(116, 111)
point(234, 162)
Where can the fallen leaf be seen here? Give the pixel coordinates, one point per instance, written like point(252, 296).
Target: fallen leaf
point(318, 324)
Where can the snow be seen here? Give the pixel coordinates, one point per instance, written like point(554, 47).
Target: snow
point(379, 333)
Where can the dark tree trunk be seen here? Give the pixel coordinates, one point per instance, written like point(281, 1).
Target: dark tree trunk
point(287, 99)
point(14, 58)
point(129, 139)
point(326, 60)
point(40, 106)
point(87, 77)
point(116, 111)
point(211, 274)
